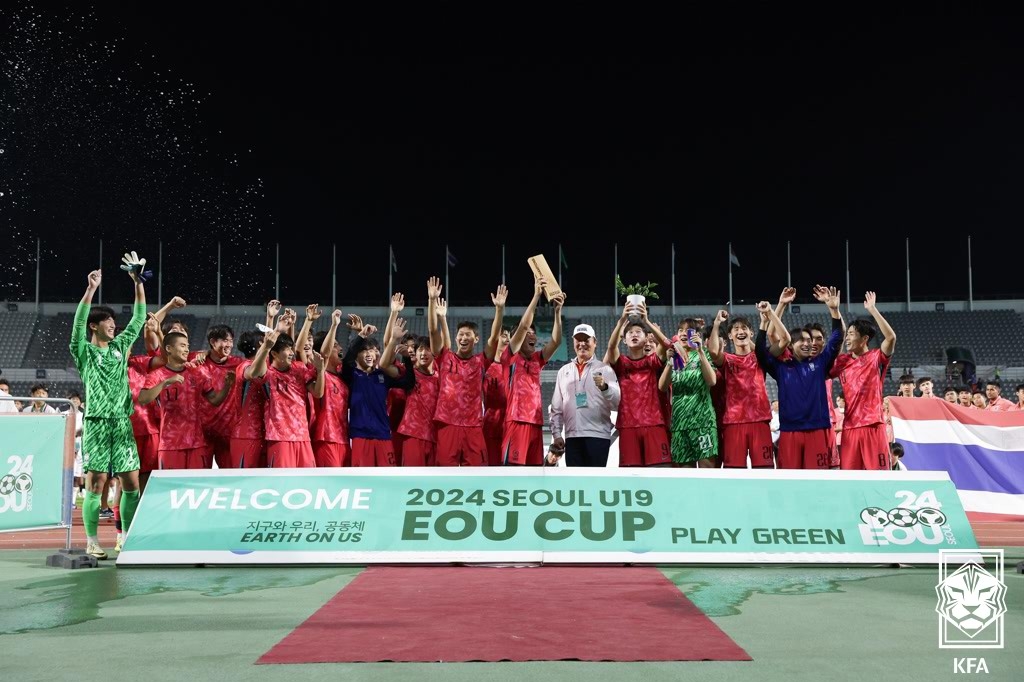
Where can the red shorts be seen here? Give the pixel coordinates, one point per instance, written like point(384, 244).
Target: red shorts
point(523, 444)
point(247, 453)
point(865, 447)
point(221, 447)
point(460, 446)
point(805, 449)
point(193, 458)
point(644, 446)
point(417, 453)
point(493, 437)
point(371, 452)
point(738, 439)
point(397, 442)
point(331, 454)
point(833, 447)
point(287, 454)
point(149, 451)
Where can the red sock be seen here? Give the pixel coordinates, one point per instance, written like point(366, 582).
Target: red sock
point(117, 517)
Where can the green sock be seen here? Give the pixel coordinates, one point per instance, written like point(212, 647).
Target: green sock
point(91, 513)
point(129, 501)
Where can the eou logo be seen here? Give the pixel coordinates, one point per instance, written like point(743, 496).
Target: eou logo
point(916, 519)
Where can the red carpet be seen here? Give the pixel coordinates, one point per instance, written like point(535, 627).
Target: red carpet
point(548, 613)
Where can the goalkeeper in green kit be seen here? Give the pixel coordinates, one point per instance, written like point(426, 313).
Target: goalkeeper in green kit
point(108, 446)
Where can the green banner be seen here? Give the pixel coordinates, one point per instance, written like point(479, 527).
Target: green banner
point(32, 462)
point(557, 515)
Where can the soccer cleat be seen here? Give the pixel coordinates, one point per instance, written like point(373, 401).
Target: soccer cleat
point(119, 545)
point(107, 513)
point(94, 549)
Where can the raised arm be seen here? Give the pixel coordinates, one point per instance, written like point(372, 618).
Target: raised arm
point(258, 367)
point(556, 328)
point(327, 347)
point(707, 372)
point(516, 342)
point(498, 299)
point(889, 336)
point(663, 341)
point(441, 310)
point(665, 379)
point(397, 305)
point(433, 326)
point(80, 328)
point(154, 334)
point(782, 336)
point(715, 339)
point(787, 296)
point(316, 387)
point(273, 308)
point(215, 398)
point(312, 315)
point(612, 354)
point(148, 395)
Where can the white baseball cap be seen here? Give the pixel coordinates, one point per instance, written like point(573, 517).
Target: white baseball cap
point(584, 329)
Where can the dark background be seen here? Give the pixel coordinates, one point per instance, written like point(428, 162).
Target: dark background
point(311, 124)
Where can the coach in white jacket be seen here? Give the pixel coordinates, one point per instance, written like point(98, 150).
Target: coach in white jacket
point(586, 393)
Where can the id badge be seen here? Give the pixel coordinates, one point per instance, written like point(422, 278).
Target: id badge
point(581, 400)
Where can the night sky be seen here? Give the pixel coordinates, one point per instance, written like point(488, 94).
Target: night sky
point(311, 125)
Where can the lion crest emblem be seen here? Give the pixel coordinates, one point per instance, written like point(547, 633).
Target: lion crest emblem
point(971, 599)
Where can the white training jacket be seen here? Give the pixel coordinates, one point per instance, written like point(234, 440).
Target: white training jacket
point(594, 420)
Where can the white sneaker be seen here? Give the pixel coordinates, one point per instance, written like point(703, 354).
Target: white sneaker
point(94, 549)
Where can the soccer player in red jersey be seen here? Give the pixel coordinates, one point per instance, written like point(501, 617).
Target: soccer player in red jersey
point(285, 384)
point(523, 441)
point(861, 372)
point(643, 439)
point(460, 435)
point(817, 333)
point(219, 363)
point(247, 446)
point(747, 415)
point(145, 419)
point(418, 427)
point(330, 426)
point(180, 391)
point(496, 401)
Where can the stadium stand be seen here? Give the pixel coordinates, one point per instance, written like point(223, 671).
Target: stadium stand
point(16, 331)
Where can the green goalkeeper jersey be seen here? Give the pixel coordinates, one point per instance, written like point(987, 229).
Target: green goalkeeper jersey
point(105, 370)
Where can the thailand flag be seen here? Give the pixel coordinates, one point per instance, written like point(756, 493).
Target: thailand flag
point(983, 452)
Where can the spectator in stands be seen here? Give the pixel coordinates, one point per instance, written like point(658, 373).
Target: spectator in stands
point(40, 407)
point(906, 386)
point(949, 393)
point(927, 387)
point(6, 405)
point(586, 393)
point(1020, 397)
point(965, 397)
point(978, 399)
point(19, 406)
point(993, 390)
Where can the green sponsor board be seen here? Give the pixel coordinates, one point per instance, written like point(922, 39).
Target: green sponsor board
point(649, 516)
point(31, 471)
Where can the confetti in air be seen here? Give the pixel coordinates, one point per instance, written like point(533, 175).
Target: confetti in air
point(96, 142)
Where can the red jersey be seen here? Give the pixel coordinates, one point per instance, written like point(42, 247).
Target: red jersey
point(524, 397)
point(220, 420)
point(460, 397)
point(284, 413)
point(145, 418)
point(251, 399)
point(862, 380)
point(330, 424)
point(181, 407)
point(420, 406)
point(746, 396)
point(638, 382)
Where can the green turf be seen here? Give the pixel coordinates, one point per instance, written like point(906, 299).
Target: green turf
point(214, 623)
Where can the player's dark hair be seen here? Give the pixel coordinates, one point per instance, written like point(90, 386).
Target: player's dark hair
point(219, 332)
point(38, 387)
point(73, 394)
point(896, 449)
point(505, 329)
point(422, 341)
point(949, 389)
point(922, 380)
point(691, 323)
point(733, 321)
point(371, 344)
point(249, 342)
point(907, 379)
point(864, 328)
point(812, 327)
point(466, 324)
point(994, 382)
point(170, 322)
point(100, 313)
point(1020, 387)
point(283, 343)
point(5, 382)
point(407, 337)
point(171, 338)
point(630, 325)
